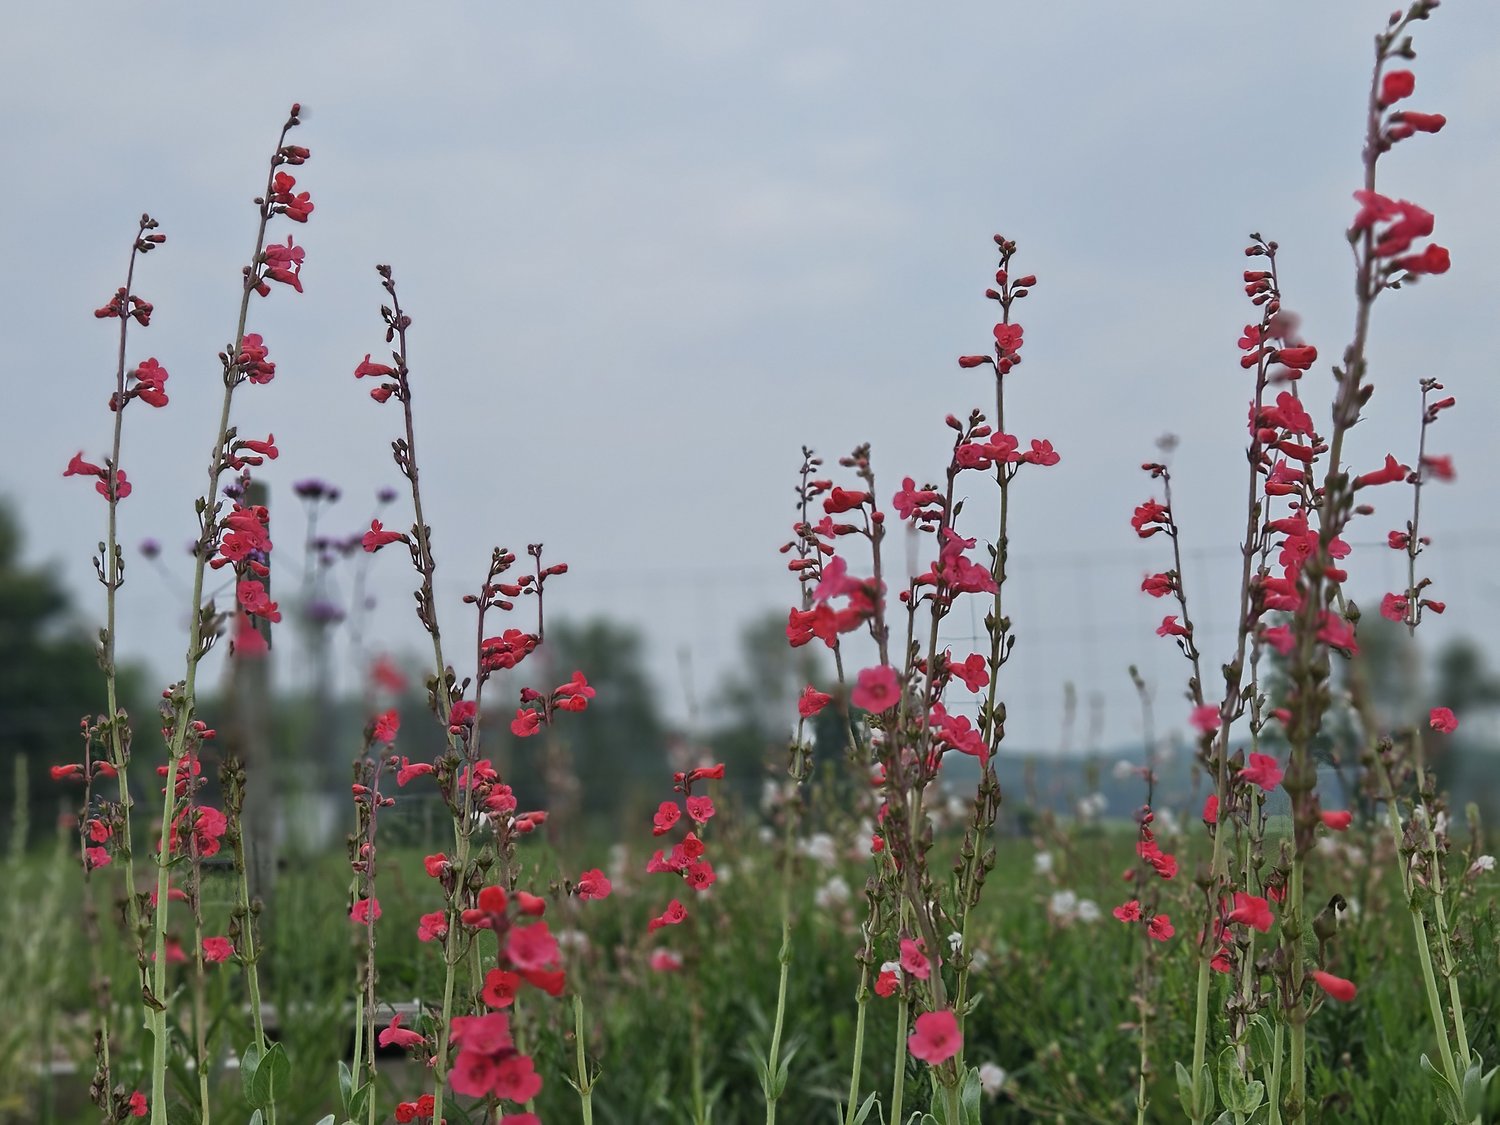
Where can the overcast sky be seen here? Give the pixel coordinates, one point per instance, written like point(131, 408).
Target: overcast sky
point(651, 249)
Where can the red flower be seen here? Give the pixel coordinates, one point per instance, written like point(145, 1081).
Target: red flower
point(1171, 627)
point(1160, 927)
point(432, 927)
point(1211, 809)
point(365, 911)
point(216, 949)
point(1337, 987)
point(972, 361)
point(1433, 259)
point(1421, 123)
point(401, 1036)
point(667, 814)
point(700, 809)
point(1251, 910)
point(386, 726)
point(526, 723)
point(1129, 911)
point(1041, 453)
point(137, 1104)
point(516, 1079)
point(410, 771)
point(1393, 607)
point(500, 988)
point(1158, 585)
point(1392, 472)
point(1396, 85)
point(812, 701)
point(1337, 819)
point(1442, 720)
point(935, 1037)
point(887, 983)
point(377, 537)
point(435, 865)
point(674, 914)
point(1263, 770)
point(876, 690)
point(379, 370)
point(1299, 359)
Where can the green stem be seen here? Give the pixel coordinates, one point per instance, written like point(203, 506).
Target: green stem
point(1296, 1015)
point(1273, 1085)
point(898, 1083)
point(1455, 1000)
point(773, 1087)
point(861, 1004)
point(585, 1083)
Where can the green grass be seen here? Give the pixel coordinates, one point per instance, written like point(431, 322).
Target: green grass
point(1055, 1011)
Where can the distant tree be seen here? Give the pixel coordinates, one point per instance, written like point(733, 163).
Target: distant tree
point(49, 678)
point(755, 707)
point(615, 748)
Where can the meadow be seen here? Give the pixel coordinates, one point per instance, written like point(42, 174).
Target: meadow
point(890, 934)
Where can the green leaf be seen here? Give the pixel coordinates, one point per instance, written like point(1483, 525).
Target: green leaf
point(1447, 1096)
point(864, 1110)
point(969, 1095)
point(273, 1074)
point(249, 1064)
point(346, 1087)
point(1240, 1098)
point(1261, 1043)
point(256, 1118)
point(359, 1100)
point(1185, 1090)
point(1475, 1083)
point(327, 1120)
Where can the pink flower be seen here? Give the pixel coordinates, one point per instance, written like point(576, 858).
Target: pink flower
point(401, 1036)
point(1170, 627)
point(1205, 718)
point(1337, 987)
point(1338, 820)
point(665, 961)
point(700, 809)
point(935, 1037)
point(216, 949)
point(593, 885)
point(1442, 720)
point(913, 961)
point(1129, 911)
point(526, 723)
point(532, 947)
point(877, 689)
point(1263, 770)
point(1211, 809)
point(365, 911)
point(137, 1104)
point(1160, 927)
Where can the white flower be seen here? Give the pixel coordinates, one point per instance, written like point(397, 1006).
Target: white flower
point(1123, 771)
point(1041, 863)
point(573, 940)
point(1063, 904)
point(1440, 825)
point(1484, 863)
point(958, 808)
point(832, 893)
point(1351, 906)
point(819, 846)
point(978, 960)
point(1088, 910)
point(1167, 823)
point(956, 942)
point(770, 795)
point(992, 1078)
point(892, 967)
point(765, 834)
